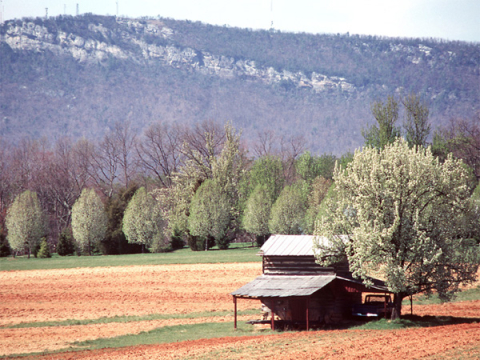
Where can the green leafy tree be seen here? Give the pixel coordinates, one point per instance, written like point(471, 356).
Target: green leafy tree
point(400, 210)
point(257, 213)
point(318, 192)
point(208, 155)
point(89, 220)
point(268, 171)
point(309, 167)
point(288, 212)
point(210, 214)
point(416, 124)
point(385, 132)
point(25, 222)
point(65, 245)
point(143, 221)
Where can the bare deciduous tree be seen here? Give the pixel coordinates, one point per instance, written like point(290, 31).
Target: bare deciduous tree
point(158, 151)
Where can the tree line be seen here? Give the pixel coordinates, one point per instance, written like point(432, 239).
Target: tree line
point(197, 185)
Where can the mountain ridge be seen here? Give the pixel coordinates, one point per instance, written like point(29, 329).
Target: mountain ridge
point(76, 76)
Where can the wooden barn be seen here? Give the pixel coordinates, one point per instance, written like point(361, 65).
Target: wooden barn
point(294, 289)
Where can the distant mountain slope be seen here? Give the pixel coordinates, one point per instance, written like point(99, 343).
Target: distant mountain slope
point(78, 75)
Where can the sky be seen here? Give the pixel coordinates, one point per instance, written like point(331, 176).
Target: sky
point(446, 19)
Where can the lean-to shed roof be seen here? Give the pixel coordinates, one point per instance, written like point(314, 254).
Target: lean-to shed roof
point(283, 286)
point(299, 285)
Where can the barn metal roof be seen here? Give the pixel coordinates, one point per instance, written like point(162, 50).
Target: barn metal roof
point(283, 286)
point(291, 245)
point(299, 285)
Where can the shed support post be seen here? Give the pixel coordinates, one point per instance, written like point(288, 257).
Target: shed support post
point(411, 304)
point(385, 308)
point(273, 315)
point(235, 311)
point(307, 312)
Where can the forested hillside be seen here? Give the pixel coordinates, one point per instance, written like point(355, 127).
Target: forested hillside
point(78, 76)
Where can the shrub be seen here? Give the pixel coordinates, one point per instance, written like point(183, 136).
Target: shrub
point(44, 251)
point(65, 245)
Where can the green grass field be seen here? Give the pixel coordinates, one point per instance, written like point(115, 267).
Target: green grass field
point(236, 253)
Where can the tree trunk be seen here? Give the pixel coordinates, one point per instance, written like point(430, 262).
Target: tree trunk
point(397, 306)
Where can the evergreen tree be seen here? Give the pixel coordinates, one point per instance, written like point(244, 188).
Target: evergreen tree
point(4, 247)
point(65, 245)
point(115, 241)
point(44, 250)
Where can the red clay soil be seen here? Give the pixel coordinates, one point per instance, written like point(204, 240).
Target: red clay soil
point(430, 343)
point(91, 293)
point(54, 295)
point(38, 339)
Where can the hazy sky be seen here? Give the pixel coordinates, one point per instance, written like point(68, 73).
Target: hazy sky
point(447, 19)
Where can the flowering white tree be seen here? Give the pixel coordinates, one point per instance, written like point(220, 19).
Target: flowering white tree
point(89, 220)
point(25, 222)
point(210, 214)
point(142, 220)
point(401, 209)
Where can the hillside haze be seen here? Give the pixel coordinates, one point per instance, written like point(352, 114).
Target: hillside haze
point(77, 76)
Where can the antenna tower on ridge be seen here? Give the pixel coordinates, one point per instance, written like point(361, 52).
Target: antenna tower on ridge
point(46, 13)
point(271, 14)
point(2, 11)
point(78, 10)
point(117, 8)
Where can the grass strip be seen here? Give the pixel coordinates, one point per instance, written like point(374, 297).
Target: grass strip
point(171, 334)
point(464, 295)
point(178, 333)
point(412, 321)
point(161, 335)
point(127, 319)
point(238, 253)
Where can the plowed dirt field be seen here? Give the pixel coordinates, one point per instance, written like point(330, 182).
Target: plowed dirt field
point(56, 295)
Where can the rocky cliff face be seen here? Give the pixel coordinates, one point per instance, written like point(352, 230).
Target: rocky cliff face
point(131, 34)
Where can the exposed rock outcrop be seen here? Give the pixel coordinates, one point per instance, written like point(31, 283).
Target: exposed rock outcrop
point(31, 37)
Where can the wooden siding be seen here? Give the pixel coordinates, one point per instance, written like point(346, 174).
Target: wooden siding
point(329, 305)
point(299, 265)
